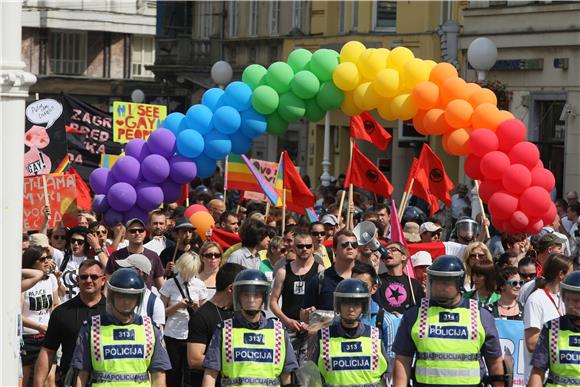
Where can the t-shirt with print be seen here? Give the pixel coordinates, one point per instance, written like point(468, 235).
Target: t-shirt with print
point(395, 294)
point(38, 303)
point(69, 275)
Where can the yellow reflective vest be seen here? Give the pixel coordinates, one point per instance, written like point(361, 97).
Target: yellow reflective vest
point(564, 355)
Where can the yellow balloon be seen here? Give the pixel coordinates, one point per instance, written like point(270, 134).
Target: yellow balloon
point(385, 111)
point(415, 71)
point(399, 57)
point(430, 64)
point(348, 107)
point(365, 97)
point(403, 107)
point(372, 61)
point(345, 76)
point(386, 83)
point(351, 51)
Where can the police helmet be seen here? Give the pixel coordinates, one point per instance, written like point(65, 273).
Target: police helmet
point(446, 267)
point(352, 291)
point(201, 189)
point(571, 283)
point(253, 282)
point(125, 281)
point(413, 214)
point(466, 228)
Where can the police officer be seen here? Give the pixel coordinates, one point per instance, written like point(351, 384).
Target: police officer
point(349, 352)
point(120, 348)
point(248, 349)
point(558, 348)
point(447, 334)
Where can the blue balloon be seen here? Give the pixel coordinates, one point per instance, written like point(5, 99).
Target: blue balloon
point(217, 145)
point(199, 118)
point(226, 120)
point(211, 98)
point(190, 143)
point(239, 95)
point(172, 122)
point(253, 123)
point(240, 143)
point(205, 166)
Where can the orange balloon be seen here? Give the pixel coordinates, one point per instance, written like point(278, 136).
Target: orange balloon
point(452, 88)
point(472, 88)
point(504, 115)
point(434, 122)
point(487, 116)
point(456, 142)
point(385, 110)
point(202, 221)
point(425, 95)
point(444, 139)
point(418, 122)
point(482, 95)
point(441, 72)
point(458, 113)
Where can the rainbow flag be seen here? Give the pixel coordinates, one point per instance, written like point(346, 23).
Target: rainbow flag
point(311, 215)
point(241, 174)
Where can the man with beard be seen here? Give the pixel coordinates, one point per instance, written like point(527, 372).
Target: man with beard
point(157, 229)
point(184, 231)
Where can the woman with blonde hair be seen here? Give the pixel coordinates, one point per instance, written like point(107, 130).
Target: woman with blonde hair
point(211, 255)
point(182, 294)
point(474, 252)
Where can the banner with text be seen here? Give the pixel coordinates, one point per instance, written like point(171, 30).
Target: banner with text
point(136, 120)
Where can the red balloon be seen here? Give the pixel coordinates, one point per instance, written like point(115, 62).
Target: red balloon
point(535, 226)
point(502, 205)
point(488, 188)
point(525, 153)
point(540, 164)
point(482, 141)
point(193, 209)
point(541, 177)
point(471, 167)
point(519, 220)
point(516, 178)
point(550, 215)
point(509, 133)
point(535, 202)
point(494, 164)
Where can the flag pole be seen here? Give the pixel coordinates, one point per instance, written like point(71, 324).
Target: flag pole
point(483, 216)
point(405, 202)
point(283, 211)
point(350, 220)
point(340, 206)
point(45, 191)
point(226, 183)
point(267, 210)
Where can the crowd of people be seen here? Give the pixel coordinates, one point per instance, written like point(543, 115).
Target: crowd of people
point(291, 303)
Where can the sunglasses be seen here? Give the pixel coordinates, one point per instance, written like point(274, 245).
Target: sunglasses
point(100, 232)
point(514, 283)
point(394, 250)
point(212, 255)
point(43, 259)
point(345, 244)
point(93, 277)
point(59, 237)
point(318, 233)
point(301, 246)
point(75, 241)
point(136, 230)
point(528, 275)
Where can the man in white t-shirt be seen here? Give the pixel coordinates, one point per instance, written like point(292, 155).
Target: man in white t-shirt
point(152, 305)
point(157, 228)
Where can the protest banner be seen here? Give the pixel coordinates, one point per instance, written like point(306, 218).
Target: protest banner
point(61, 191)
point(44, 138)
point(136, 120)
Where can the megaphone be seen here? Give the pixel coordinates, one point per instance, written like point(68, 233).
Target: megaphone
point(365, 233)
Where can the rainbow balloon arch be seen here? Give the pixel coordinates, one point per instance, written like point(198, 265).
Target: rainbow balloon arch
point(514, 182)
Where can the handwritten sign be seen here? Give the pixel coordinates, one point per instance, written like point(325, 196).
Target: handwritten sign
point(62, 194)
point(269, 170)
point(136, 120)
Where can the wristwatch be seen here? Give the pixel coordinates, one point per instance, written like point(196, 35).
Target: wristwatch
point(99, 251)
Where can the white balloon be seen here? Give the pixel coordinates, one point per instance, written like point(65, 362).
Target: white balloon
point(137, 96)
point(221, 73)
point(482, 54)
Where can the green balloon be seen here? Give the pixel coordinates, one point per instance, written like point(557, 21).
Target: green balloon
point(265, 99)
point(280, 76)
point(323, 63)
point(329, 97)
point(305, 84)
point(313, 111)
point(291, 108)
point(254, 75)
point(276, 125)
point(298, 59)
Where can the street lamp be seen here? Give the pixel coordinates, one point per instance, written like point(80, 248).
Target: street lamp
point(481, 55)
point(221, 73)
point(325, 177)
point(137, 96)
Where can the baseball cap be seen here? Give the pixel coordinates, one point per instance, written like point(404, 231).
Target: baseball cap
point(550, 239)
point(131, 221)
point(183, 223)
point(421, 258)
point(429, 226)
point(38, 239)
point(411, 232)
point(138, 261)
point(329, 219)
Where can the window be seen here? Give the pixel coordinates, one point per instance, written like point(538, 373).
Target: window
point(274, 17)
point(252, 54)
point(204, 17)
point(142, 53)
point(385, 15)
point(233, 18)
point(273, 54)
point(68, 52)
point(342, 17)
point(298, 13)
point(254, 18)
point(232, 55)
point(354, 17)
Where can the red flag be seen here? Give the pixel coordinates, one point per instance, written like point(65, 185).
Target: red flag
point(223, 238)
point(364, 174)
point(397, 235)
point(184, 192)
point(365, 127)
point(84, 198)
point(431, 176)
point(418, 189)
point(436, 249)
point(301, 196)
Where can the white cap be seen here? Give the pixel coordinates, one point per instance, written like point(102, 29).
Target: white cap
point(329, 219)
point(138, 261)
point(429, 226)
point(421, 258)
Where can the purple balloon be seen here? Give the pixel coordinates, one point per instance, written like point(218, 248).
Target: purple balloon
point(183, 170)
point(121, 196)
point(100, 204)
point(112, 217)
point(127, 170)
point(135, 212)
point(162, 142)
point(155, 168)
point(137, 148)
point(171, 191)
point(149, 195)
point(100, 180)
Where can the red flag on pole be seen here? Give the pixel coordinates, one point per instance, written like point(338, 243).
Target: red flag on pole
point(301, 196)
point(364, 174)
point(397, 235)
point(84, 199)
point(419, 190)
point(365, 127)
point(431, 176)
